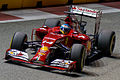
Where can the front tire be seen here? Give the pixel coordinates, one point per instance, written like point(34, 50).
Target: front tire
point(106, 42)
point(18, 41)
point(78, 54)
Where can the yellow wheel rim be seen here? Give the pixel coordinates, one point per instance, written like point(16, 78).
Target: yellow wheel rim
point(112, 44)
point(82, 60)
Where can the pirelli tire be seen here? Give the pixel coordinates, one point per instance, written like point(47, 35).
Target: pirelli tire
point(18, 41)
point(78, 53)
point(106, 42)
point(52, 22)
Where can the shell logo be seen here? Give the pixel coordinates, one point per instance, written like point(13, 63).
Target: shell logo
point(11, 53)
point(44, 48)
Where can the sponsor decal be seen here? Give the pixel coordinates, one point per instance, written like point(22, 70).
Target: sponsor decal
point(42, 51)
point(38, 57)
point(41, 54)
point(61, 63)
point(50, 38)
point(81, 36)
point(61, 35)
point(84, 11)
point(47, 42)
point(18, 54)
point(11, 53)
point(44, 48)
point(42, 28)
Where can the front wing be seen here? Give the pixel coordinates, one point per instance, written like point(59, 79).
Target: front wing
point(22, 57)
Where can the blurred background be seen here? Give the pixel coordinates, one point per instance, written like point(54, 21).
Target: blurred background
point(17, 4)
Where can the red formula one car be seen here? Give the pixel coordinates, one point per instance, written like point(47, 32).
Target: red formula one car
point(63, 46)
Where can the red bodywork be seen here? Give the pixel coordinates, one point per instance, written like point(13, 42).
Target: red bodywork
point(50, 36)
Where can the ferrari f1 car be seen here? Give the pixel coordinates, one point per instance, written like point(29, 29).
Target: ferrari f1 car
point(69, 51)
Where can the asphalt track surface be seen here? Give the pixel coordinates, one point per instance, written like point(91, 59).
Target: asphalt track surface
point(103, 69)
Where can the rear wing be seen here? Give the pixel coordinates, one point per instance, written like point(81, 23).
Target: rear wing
point(83, 11)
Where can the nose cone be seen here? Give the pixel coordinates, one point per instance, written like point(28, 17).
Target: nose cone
point(41, 55)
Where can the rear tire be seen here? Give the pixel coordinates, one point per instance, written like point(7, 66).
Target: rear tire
point(78, 54)
point(18, 41)
point(52, 22)
point(106, 42)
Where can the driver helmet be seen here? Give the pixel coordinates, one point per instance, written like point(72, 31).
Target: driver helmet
point(64, 29)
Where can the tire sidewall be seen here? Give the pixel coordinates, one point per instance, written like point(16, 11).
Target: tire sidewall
point(18, 40)
point(78, 54)
point(105, 39)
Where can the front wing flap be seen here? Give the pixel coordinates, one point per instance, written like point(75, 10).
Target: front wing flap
point(13, 53)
